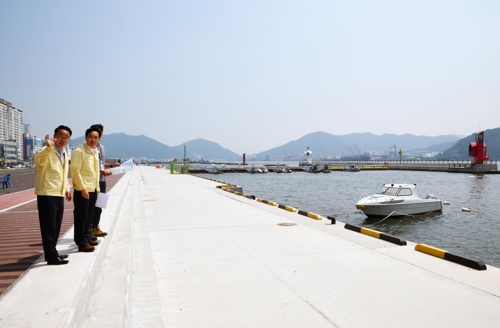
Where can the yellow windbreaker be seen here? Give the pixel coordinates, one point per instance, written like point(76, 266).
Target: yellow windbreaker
point(51, 174)
point(85, 169)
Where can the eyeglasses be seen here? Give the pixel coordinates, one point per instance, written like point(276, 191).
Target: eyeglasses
point(62, 137)
point(93, 137)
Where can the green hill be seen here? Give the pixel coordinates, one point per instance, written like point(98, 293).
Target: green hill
point(460, 151)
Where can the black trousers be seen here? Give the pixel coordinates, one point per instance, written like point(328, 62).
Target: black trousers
point(50, 215)
point(83, 214)
point(98, 210)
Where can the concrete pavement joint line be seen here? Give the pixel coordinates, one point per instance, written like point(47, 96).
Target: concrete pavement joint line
point(127, 315)
point(131, 197)
point(376, 234)
point(81, 302)
point(112, 288)
point(437, 252)
point(145, 297)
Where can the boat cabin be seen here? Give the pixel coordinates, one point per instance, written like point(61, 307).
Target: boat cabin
point(398, 190)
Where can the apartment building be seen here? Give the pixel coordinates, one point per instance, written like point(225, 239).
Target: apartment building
point(11, 131)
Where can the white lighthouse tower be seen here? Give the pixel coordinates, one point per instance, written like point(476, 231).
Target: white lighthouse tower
point(308, 156)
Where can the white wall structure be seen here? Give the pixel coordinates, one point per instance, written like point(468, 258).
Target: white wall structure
point(308, 156)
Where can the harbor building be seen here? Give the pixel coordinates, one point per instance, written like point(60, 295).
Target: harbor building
point(8, 151)
point(32, 145)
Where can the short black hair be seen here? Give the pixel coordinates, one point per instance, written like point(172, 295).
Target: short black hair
point(63, 127)
point(92, 129)
point(98, 126)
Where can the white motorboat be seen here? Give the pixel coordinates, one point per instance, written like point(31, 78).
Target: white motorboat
point(316, 168)
point(282, 169)
point(350, 168)
point(213, 169)
point(254, 169)
point(398, 200)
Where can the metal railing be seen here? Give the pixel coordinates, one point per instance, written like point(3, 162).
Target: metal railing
point(451, 163)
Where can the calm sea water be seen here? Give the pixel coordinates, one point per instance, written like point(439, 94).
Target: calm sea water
point(475, 234)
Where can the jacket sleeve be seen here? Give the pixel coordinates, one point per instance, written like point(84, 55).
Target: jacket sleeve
point(75, 170)
point(43, 156)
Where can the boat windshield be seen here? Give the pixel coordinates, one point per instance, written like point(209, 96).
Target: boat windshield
point(390, 191)
point(405, 192)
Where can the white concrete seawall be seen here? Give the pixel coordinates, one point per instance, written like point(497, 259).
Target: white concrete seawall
point(182, 253)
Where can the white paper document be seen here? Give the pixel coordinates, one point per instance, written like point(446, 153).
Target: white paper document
point(124, 167)
point(102, 200)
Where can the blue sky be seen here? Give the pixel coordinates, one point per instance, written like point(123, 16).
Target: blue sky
point(252, 75)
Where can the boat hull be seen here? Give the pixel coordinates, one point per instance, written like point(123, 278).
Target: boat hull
point(401, 209)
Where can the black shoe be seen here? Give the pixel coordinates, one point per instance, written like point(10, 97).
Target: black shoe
point(57, 262)
point(62, 257)
point(92, 236)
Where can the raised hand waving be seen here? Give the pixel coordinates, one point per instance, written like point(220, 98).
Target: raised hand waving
point(49, 142)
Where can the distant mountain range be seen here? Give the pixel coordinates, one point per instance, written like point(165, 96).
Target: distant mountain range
point(322, 143)
point(121, 145)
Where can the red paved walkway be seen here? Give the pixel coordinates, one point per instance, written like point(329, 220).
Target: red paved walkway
point(15, 199)
point(20, 239)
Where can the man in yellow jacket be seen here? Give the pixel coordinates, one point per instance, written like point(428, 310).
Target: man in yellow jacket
point(85, 176)
point(51, 187)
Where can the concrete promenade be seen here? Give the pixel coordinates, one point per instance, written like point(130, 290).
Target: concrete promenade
point(182, 253)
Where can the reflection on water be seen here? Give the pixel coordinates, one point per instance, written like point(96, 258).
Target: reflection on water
point(475, 234)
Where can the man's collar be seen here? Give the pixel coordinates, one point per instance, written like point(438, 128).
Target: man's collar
point(88, 149)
